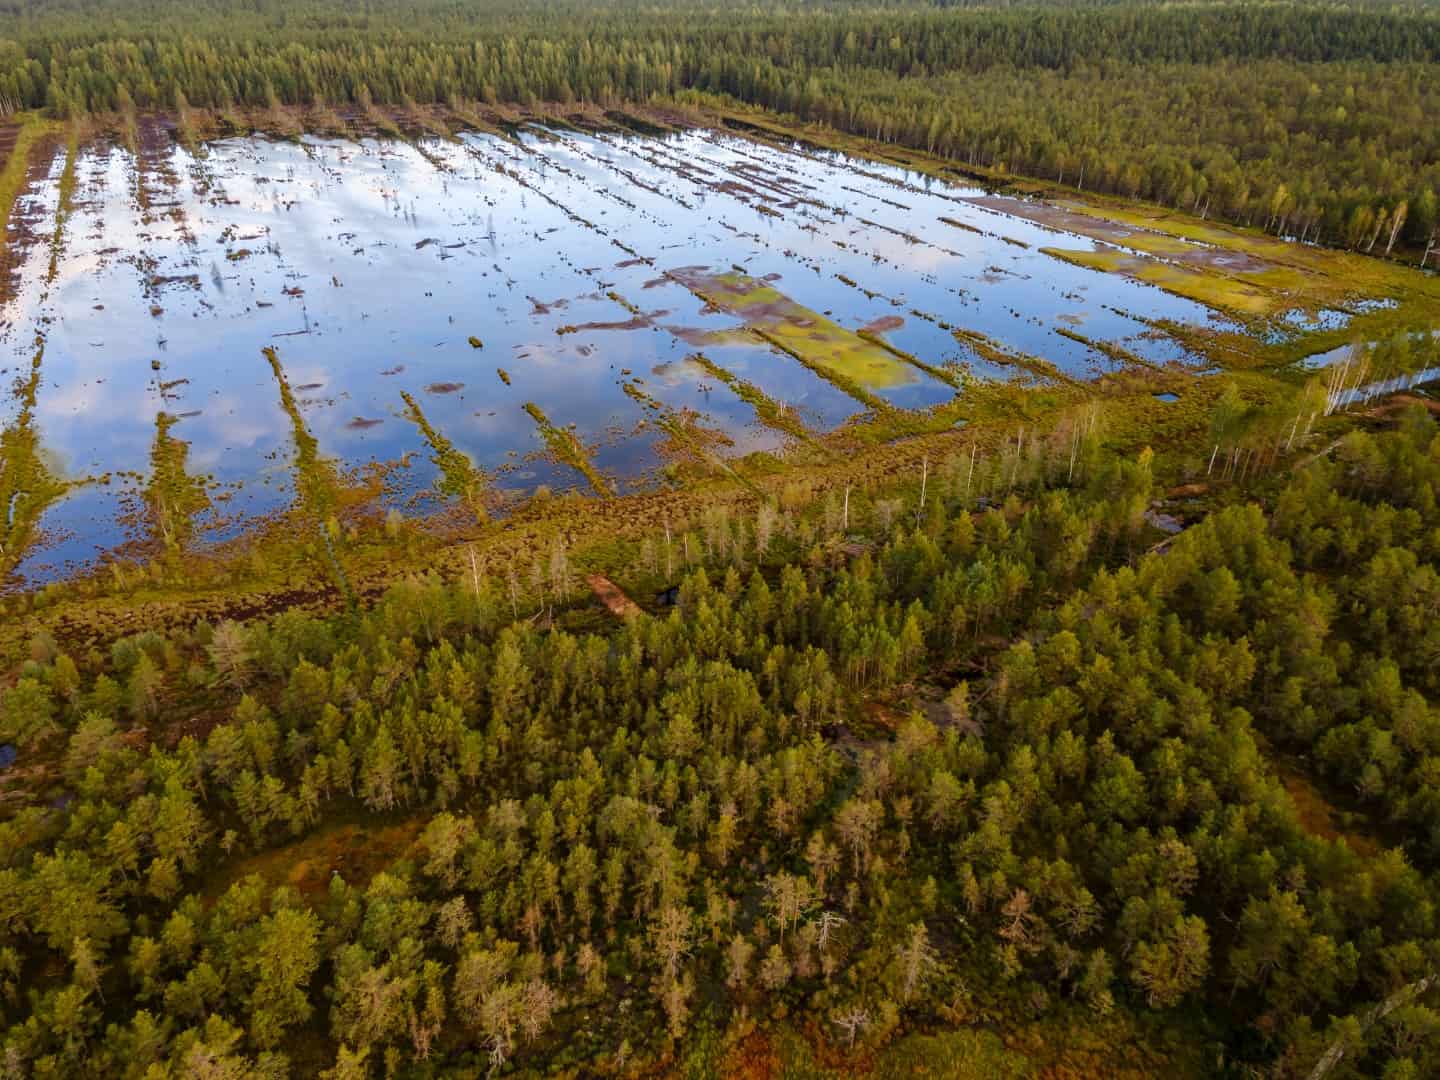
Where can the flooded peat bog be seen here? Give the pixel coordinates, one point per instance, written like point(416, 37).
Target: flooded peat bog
point(197, 341)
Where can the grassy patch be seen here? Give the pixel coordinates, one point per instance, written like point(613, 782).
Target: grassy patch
point(355, 850)
point(65, 199)
point(989, 350)
point(773, 414)
point(316, 479)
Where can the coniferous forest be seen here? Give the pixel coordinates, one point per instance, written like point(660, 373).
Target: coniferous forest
point(579, 846)
point(1072, 709)
point(1313, 119)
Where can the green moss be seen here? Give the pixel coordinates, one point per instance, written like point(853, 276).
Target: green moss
point(316, 478)
point(33, 130)
point(459, 478)
point(174, 497)
point(855, 365)
point(773, 414)
point(1115, 352)
point(941, 374)
point(1213, 290)
point(65, 199)
point(566, 448)
point(988, 349)
point(27, 486)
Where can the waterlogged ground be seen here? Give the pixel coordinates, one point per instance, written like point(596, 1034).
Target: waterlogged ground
point(207, 338)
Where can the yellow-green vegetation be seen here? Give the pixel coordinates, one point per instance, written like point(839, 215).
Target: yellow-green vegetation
point(943, 374)
point(837, 377)
point(322, 118)
point(459, 478)
point(317, 480)
point(173, 496)
point(686, 436)
point(566, 447)
point(856, 365)
point(65, 197)
point(773, 414)
point(1224, 292)
point(626, 304)
point(988, 349)
point(33, 130)
point(1118, 353)
point(377, 117)
point(27, 484)
point(1253, 273)
point(271, 571)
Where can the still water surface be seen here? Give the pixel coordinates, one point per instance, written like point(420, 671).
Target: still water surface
point(370, 265)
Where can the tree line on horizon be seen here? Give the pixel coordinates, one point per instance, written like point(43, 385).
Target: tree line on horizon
point(1309, 120)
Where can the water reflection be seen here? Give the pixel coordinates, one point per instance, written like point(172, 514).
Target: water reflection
point(370, 266)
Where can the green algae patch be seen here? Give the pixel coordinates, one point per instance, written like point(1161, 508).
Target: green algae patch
point(567, 448)
point(27, 486)
point(459, 478)
point(845, 358)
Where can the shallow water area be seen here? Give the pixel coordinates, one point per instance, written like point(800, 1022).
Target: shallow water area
point(418, 296)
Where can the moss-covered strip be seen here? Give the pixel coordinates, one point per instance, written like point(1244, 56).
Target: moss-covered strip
point(65, 199)
point(987, 349)
point(835, 378)
point(27, 487)
point(773, 414)
point(17, 168)
point(566, 448)
point(683, 432)
point(953, 378)
point(459, 478)
point(1118, 353)
point(316, 482)
point(173, 497)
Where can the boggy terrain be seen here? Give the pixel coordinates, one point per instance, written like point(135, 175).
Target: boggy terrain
point(433, 315)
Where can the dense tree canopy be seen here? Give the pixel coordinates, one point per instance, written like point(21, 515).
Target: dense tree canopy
point(1310, 119)
point(691, 811)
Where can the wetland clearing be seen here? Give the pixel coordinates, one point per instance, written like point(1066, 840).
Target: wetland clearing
point(203, 337)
